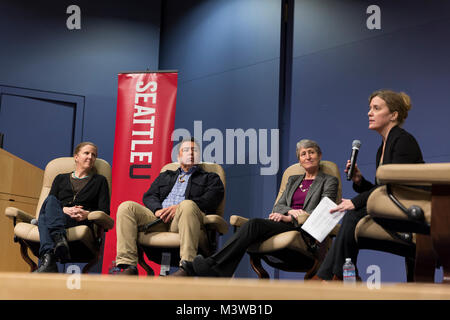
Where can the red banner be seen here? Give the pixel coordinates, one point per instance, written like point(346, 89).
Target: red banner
point(145, 120)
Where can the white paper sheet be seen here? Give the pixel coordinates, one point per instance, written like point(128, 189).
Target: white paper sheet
point(321, 221)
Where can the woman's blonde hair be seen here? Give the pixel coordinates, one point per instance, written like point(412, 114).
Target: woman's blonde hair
point(82, 144)
point(398, 102)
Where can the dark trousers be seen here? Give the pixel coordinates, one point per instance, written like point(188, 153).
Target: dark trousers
point(344, 246)
point(52, 220)
point(225, 261)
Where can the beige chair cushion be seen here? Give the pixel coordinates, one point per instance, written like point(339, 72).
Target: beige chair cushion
point(160, 239)
point(286, 240)
point(167, 240)
point(367, 228)
point(379, 204)
point(30, 232)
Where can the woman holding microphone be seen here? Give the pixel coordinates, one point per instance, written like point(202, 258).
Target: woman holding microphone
point(387, 112)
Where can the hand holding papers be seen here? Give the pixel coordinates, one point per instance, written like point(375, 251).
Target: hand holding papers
point(321, 221)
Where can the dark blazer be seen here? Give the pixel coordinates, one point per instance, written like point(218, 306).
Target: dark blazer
point(324, 185)
point(401, 147)
point(204, 188)
point(94, 195)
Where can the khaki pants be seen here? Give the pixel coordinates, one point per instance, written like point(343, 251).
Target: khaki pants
point(188, 222)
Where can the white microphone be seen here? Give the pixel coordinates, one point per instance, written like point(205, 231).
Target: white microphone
point(355, 148)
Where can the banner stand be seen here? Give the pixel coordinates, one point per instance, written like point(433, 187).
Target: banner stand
point(145, 120)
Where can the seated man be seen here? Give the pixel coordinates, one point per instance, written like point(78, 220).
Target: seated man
point(180, 199)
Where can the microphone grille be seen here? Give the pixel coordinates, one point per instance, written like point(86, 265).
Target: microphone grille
point(356, 144)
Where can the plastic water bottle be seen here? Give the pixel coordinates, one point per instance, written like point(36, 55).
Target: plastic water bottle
point(165, 264)
point(349, 272)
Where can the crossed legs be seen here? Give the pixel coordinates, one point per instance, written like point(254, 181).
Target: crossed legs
point(188, 222)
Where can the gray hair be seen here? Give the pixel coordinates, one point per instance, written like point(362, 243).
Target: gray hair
point(305, 144)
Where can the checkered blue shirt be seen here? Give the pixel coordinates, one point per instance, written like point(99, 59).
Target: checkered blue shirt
point(177, 194)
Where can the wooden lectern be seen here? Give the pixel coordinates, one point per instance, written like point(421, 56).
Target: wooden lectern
point(20, 186)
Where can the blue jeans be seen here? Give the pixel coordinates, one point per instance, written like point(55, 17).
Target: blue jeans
point(52, 220)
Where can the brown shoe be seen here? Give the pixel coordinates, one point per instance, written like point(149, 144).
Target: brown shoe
point(317, 278)
point(336, 278)
point(179, 273)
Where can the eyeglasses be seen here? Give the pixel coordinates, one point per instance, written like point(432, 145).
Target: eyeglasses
point(189, 149)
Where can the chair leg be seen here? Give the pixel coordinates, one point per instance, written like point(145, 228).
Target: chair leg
point(255, 262)
point(440, 227)
point(409, 264)
point(91, 263)
point(425, 264)
point(26, 257)
point(99, 235)
point(143, 264)
point(446, 267)
point(312, 272)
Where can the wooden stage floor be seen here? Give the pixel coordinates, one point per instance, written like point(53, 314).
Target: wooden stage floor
point(26, 286)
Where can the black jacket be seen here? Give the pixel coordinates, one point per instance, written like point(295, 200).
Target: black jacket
point(94, 196)
point(204, 188)
point(401, 147)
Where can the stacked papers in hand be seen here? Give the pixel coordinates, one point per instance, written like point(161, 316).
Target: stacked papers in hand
point(320, 223)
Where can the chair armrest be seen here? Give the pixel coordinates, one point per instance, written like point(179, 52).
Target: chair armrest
point(237, 221)
point(414, 174)
point(102, 219)
point(216, 222)
point(20, 215)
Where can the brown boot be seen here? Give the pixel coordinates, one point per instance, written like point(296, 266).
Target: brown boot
point(336, 278)
point(179, 273)
point(317, 278)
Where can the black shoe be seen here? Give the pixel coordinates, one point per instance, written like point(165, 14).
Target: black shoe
point(203, 267)
point(186, 270)
point(61, 247)
point(128, 270)
point(47, 264)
